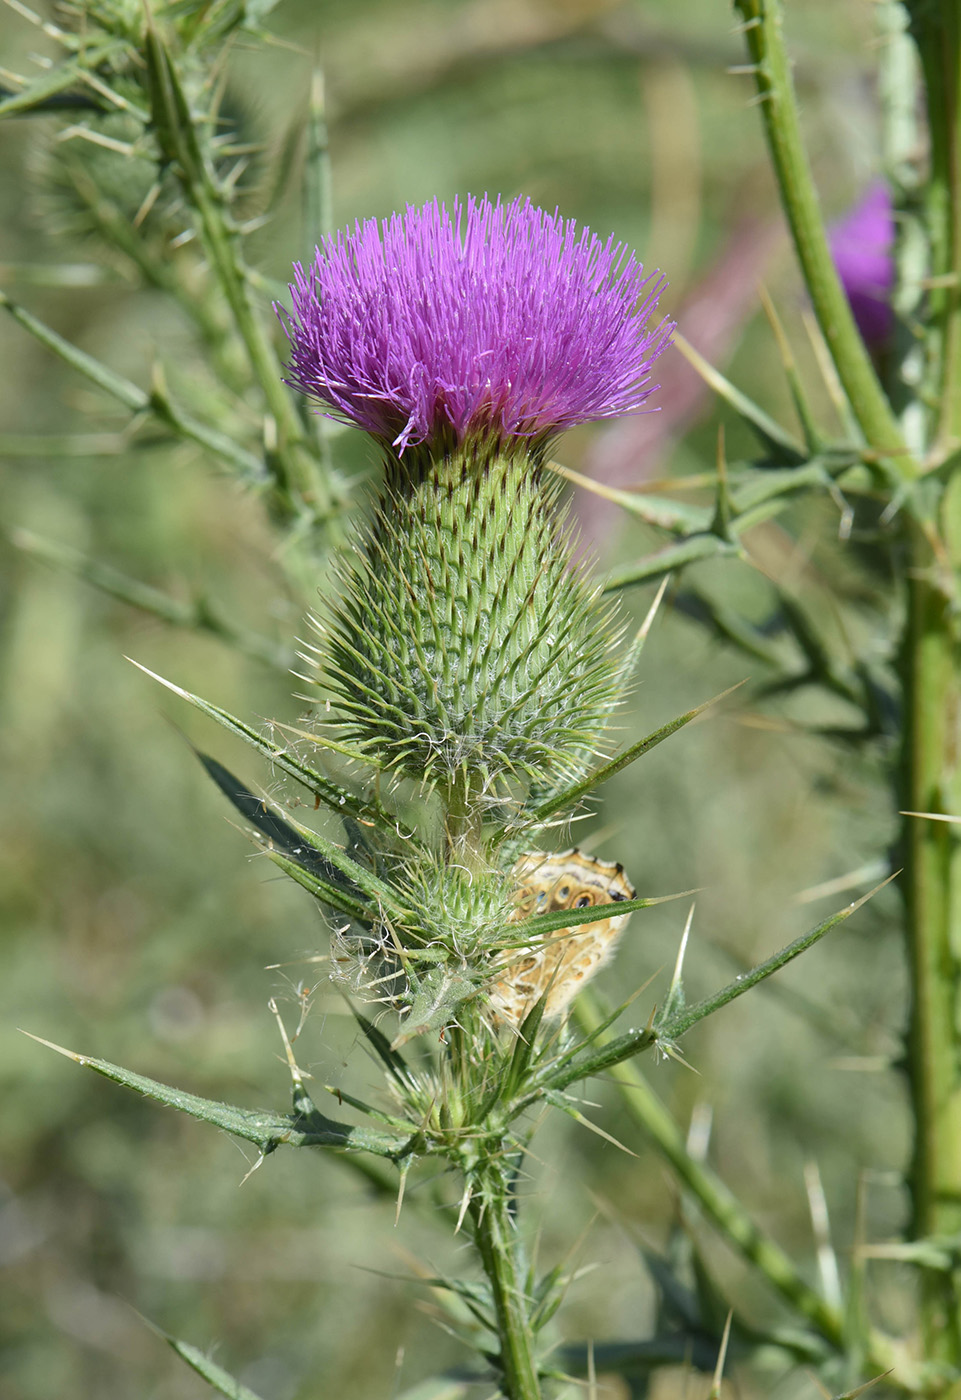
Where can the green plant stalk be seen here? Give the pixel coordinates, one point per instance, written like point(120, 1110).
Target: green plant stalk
point(498, 1245)
point(764, 39)
point(720, 1204)
point(924, 384)
point(197, 615)
point(157, 402)
point(298, 479)
point(936, 28)
point(932, 891)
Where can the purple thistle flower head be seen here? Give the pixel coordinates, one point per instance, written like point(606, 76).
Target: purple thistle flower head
point(861, 245)
point(492, 321)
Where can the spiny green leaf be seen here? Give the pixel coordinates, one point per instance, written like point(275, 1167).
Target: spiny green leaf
point(266, 1130)
point(36, 95)
point(670, 1029)
point(527, 931)
point(665, 561)
point(667, 514)
point(196, 615)
point(128, 393)
point(778, 439)
point(573, 794)
point(393, 1062)
point(173, 123)
point(333, 895)
point(338, 798)
point(280, 834)
point(133, 397)
point(215, 1375)
point(634, 1357)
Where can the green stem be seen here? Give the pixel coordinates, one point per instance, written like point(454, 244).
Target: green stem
point(498, 1244)
point(936, 27)
point(300, 486)
point(765, 42)
point(931, 669)
point(932, 891)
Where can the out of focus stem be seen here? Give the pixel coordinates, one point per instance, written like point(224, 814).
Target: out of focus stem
point(931, 663)
point(931, 659)
point(722, 1207)
point(936, 28)
point(775, 91)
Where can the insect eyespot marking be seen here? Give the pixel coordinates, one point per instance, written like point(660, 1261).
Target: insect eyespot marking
point(583, 902)
point(563, 892)
point(616, 897)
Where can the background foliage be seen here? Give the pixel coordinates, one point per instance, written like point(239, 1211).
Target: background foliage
point(136, 923)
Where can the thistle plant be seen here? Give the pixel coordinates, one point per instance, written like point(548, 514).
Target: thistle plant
point(466, 669)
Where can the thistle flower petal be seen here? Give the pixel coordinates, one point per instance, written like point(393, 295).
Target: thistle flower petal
point(492, 320)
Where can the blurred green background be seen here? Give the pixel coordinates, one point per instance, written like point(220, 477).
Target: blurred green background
point(137, 923)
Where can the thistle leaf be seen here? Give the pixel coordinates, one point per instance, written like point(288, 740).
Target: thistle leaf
point(337, 798)
point(528, 931)
point(279, 834)
point(332, 895)
point(266, 1130)
point(36, 96)
point(197, 615)
point(394, 1063)
point(215, 1375)
point(134, 398)
point(626, 1046)
point(573, 794)
point(173, 124)
point(782, 444)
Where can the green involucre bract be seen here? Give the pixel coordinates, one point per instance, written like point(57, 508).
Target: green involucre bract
point(465, 643)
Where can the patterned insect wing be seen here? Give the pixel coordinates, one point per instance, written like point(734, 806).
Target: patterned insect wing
point(561, 963)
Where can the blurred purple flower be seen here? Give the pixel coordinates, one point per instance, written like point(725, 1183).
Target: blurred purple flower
point(493, 320)
point(861, 245)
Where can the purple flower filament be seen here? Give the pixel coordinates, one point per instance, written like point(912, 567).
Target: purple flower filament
point(862, 245)
point(493, 321)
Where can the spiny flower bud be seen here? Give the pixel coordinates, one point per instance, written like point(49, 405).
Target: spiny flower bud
point(464, 642)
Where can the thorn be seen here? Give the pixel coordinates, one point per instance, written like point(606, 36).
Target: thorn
point(402, 1186)
point(645, 626)
point(60, 1049)
point(672, 1053)
point(301, 1095)
point(820, 1224)
point(465, 1201)
point(261, 1158)
point(715, 1392)
point(845, 509)
point(682, 950)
